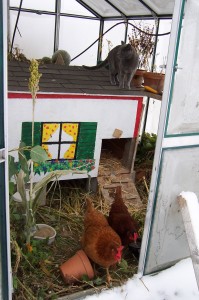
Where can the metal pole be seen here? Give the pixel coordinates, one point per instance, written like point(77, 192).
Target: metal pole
point(57, 24)
point(152, 67)
point(99, 51)
point(157, 22)
point(126, 31)
point(17, 20)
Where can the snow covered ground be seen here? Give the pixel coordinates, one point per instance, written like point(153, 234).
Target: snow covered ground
point(177, 282)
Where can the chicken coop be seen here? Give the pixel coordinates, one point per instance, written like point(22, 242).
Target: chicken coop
point(72, 119)
point(77, 113)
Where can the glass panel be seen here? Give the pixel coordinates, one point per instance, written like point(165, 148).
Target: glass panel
point(161, 7)
point(128, 7)
point(48, 5)
point(113, 37)
point(179, 172)
point(131, 8)
point(75, 37)
point(102, 8)
point(162, 46)
point(134, 33)
point(184, 110)
point(73, 7)
point(35, 34)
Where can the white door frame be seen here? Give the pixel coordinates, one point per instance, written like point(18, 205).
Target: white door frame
point(5, 257)
point(164, 141)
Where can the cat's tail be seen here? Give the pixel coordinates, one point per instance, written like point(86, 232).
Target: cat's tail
point(100, 65)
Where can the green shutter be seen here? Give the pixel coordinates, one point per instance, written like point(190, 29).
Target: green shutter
point(86, 140)
point(26, 135)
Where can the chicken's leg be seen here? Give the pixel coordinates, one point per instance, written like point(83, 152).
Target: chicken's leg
point(108, 276)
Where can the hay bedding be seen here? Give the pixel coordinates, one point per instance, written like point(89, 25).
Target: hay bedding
point(36, 273)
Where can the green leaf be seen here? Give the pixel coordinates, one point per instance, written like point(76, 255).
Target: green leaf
point(85, 278)
point(21, 185)
point(12, 166)
point(38, 154)
point(123, 264)
point(11, 188)
point(17, 217)
point(22, 158)
point(98, 281)
point(15, 282)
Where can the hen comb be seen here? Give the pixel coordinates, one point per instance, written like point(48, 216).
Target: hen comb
point(135, 236)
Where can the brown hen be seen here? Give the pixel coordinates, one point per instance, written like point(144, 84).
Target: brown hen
point(121, 221)
point(100, 242)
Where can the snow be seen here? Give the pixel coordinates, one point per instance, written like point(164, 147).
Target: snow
point(177, 282)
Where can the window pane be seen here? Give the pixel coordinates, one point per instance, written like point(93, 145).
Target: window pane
point(76, 35)
point(35, 34)
point(162, 46)
point(48, 5)
point(103, 8)
point(185, 91)
point(113, 37)
point(145, 59)
point(72, 7)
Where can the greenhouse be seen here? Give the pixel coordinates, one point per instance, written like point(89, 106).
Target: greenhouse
point(83, 125)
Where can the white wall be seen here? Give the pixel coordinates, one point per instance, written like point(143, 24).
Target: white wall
point(109, 115)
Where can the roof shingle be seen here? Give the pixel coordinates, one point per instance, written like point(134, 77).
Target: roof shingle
point(69, 80)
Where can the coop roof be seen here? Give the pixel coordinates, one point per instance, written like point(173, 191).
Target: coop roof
point(69, 80)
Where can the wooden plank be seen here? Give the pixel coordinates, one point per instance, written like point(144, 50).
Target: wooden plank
point(120, 180)
point(110, 186)
point(129, 197)
point(190, 211)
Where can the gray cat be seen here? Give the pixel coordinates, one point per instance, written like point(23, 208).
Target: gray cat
point(123, 62)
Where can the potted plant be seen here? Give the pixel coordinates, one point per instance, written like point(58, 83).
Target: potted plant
point(143, 40)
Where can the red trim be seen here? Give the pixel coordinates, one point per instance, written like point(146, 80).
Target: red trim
point(14, 95)
point(138, 118)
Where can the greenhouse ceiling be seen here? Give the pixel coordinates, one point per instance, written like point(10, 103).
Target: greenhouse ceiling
point(101, 9)
point(78, 26)
point(129, 8)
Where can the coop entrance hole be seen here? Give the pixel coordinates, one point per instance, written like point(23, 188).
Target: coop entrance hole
point(122, 149)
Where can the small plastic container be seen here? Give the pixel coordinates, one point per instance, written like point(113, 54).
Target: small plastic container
point(44, 231)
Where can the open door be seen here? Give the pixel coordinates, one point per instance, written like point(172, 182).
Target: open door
point(176, 163)
point(5, 269)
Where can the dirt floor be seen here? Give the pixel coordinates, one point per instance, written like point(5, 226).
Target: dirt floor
point(36, 272)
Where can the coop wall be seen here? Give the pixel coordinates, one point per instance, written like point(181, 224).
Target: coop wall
point(91, 118)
